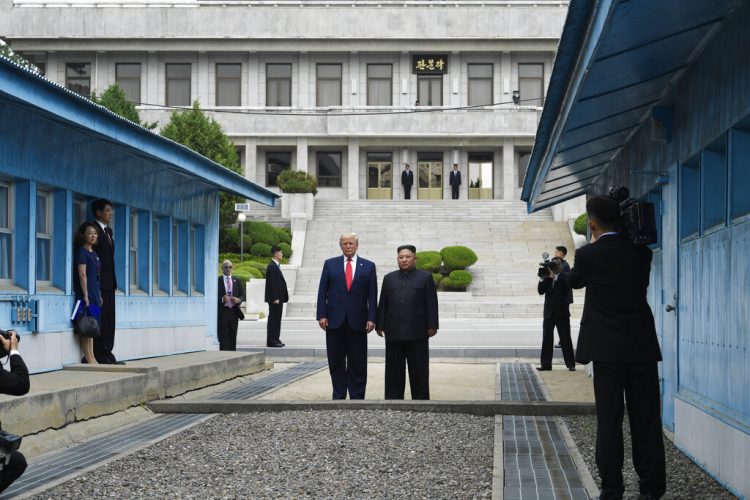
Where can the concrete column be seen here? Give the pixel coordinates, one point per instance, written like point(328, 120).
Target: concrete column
point(509, 169)
point(497, 174)
point(356, 85)
point(408, 97)
point(454, 79)
point(302, 154)
point(251, 161)
point(53, 71)
point(150, 79)
point(253, 76)
point(353, 170)
point(202, 92)
point(100, 78)
point(303, 81)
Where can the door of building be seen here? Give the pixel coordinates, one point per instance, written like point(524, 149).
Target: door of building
point(480, 176)
point(379, 180)
point(430, 180)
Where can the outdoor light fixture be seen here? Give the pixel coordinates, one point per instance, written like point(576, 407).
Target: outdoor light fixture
point(516, 97)
point(241, 218)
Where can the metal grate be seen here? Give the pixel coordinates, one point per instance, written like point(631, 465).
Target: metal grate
point(274, 381)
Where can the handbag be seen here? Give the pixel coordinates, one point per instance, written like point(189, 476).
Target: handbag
point(86, 325)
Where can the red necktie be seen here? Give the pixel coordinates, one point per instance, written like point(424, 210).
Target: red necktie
point(348, 274)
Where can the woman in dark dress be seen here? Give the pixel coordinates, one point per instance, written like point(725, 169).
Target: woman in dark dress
point(86, 277)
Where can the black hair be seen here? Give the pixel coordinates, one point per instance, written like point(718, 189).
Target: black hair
point(604, 211)
point(99, 205)
point(562, 249)
point(411, 248)
point(275, 249)
point(81, 233)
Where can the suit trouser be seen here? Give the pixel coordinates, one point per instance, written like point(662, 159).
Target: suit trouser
point(417, 354)
point(273, 328)
point(12, 470)
point(639, 382)
point(347, 361)
point(454, 192)
point(407, 192)
point(105, 343)
point(227, 330)
point(548, 338)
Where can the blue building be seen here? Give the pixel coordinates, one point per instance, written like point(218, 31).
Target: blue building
point(58, 152)
point(655, 95)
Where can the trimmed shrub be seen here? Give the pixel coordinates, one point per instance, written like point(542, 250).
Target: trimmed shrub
point(286, 248)
point(581, 224)
point(261, 250)
point(457, 257)
point(296, 181)
point(457, 281)
point(252, 266)
point(437, 277)
point(262, 232)
point(429, 260)
point(284, 234)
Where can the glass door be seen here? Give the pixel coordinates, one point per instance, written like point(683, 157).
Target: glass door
point(379, 180)
point(480, 176)
point(430, 180)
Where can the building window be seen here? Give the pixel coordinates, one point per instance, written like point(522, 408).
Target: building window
point(714, 184)
point(6, 233)
point(78, 78)
point(531, 84)
point(133, 250)
point(128, 78)
point(740, 159)
point(228, 84)
point(193, 268)
point(690, 198)
point(43, 237)
point(379, 85)
point(155, 254)
point(175, 257)
point(240, 150)
point(278, 84)
point(178, 84)
point(328, 85)
point(329, 168)
point(480, 84)
point(523, 166)
point(480, 176)
point(429, 90)
point(276, 162)
point(80, 211)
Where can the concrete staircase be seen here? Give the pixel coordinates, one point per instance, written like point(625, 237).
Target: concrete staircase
point(508, 241)
point(272, 215)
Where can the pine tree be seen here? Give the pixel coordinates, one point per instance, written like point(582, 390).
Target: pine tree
point(114, 99)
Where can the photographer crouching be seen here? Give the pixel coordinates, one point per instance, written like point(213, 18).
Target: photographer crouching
point(15, 383)
point(553, 284)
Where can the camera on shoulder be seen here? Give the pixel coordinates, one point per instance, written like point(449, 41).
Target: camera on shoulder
point(547, 265)
point(637, 221)
point(6, 335)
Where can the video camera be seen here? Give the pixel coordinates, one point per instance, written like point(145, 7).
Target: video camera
point(637, 220)
point(548, 265)
point(6, 335)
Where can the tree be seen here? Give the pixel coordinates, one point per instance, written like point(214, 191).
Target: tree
point(114, 99)
point(17, 58)
point(204, 135)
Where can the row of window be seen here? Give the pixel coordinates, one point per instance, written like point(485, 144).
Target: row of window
point(328, 84)
point(164, 255)
point(715, 184)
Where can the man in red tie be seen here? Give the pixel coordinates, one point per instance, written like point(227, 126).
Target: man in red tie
point(231, 296)
point(347, 305)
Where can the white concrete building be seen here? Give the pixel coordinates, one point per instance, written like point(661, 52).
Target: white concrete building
point(348, 91)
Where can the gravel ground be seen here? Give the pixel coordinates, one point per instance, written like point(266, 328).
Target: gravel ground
point(685, 480)
point(333, 454)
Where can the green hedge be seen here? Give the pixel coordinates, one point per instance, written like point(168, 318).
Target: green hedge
point(229, 240)
point(284, 234)
point(429, 261)
point(457, 257)
point(581, 224)
point(262, 232)
point(249, 264)
point(286, 249)
point(457, 281)
point(261, 250)
point(296, 181)
point(437, 277)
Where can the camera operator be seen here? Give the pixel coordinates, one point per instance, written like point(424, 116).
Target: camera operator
point(618, 335)
point(16, 383)
point(556, 290)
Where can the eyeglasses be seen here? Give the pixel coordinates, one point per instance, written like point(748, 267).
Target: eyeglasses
point(227, 267)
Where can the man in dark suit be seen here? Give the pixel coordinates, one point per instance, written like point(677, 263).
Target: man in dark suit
point(105, 250)
point(561, 252)
point(618, 334)
point(455, 181)
point(408, 316)
point(556, 291)
point(16, 383)
point(276, 295)
point(347, 305)
point(231, 296)
point(407, 180)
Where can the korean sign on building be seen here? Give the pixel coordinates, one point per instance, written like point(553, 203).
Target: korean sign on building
point(429, 64)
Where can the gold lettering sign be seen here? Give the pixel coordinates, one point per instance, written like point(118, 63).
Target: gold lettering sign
point(429, 64)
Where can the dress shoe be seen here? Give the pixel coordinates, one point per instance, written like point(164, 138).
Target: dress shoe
point(277, 344)
point(544, 368)
point(572, 368)
point(119, 363)
point(558, 346)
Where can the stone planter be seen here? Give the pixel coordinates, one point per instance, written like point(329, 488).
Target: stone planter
point(297, 203)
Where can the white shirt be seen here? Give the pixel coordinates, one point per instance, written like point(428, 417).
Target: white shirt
point(101, 224)
point(354, 265)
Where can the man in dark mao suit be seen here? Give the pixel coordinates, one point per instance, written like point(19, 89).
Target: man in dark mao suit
point(408, 316)
point(276, 295)
point(455, 181)
point(347, 302)
point(105, 250)
point(556, 291)
point(231, 296)
point(618, 334)
point(407, 180)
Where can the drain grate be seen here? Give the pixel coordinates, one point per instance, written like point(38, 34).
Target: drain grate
point(72, 460)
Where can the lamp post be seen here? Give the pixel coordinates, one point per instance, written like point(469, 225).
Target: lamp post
point(241, 218)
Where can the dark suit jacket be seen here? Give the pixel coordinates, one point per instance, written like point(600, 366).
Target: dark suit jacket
point(275, 284)
point(408, 306)
point(237, 291)
point(335, 302)
point(617, 324)
point(106, 252)
point(407, 178)
point(16, 381)
point(556, 298)
point(455, 177)
point(566, 270)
